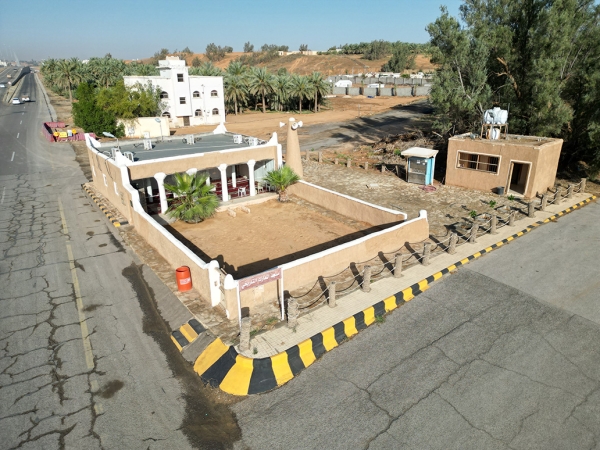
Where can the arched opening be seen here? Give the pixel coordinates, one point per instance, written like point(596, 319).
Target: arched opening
point(164, 94)
point(198, 113)
point(196, 94)
point(214, 93)
point(166, 114)
point(215, 112)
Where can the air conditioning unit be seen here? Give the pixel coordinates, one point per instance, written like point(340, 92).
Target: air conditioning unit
point(237, 139)
point(253, 141)
point(147, 144)
point(146, 135)
point(128, 155)
point(114, 151)
point(190, 139)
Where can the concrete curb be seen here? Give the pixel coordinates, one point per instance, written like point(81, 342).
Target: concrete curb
point(187, 333)
point(96, 200)
point(222, 366)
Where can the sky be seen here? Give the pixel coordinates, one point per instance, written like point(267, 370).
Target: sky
point(131, 29)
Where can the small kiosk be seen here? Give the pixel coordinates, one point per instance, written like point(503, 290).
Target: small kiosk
point(420, 165)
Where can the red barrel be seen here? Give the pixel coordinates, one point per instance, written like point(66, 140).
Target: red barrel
point(184, 279)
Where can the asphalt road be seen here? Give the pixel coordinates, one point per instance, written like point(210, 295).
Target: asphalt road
point(503, 354)
point(86, 362)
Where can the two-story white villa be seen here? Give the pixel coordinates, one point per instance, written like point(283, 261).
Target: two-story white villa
point(190, 99)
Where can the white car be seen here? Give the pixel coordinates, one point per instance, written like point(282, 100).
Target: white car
point(2, 85)
point(25, 98)
point(16, 101)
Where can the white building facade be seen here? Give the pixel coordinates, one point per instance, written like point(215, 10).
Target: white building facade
point(189, 99)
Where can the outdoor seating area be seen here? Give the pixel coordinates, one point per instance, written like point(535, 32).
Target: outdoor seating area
point(241, 188)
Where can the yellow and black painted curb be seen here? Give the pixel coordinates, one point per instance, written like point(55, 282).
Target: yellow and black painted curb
point(106, 212)
point(187, 333)
point(222, 366)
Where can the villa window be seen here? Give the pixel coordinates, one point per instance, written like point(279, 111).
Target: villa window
point(198, 113)
point(182, 100)
point(180, 77)
point(215, 112)
point(476, 161)
point(214, 93)
point(196, 94)
point(164, 94)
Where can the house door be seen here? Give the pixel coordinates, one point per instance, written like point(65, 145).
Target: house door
point(186, 121)
point(518, 177)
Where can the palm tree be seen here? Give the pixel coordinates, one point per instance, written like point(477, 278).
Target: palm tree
point(207, 69)
point(261, 83)
point(282, 178)
point(194, 200)
point(236, 90)
point(69, 74)
point(281, 91)
point(320, 87)
point(301, 88)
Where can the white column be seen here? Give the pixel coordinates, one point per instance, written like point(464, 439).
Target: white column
point(149, 190)
point(224, 192)
point(233, 175)
point(191, 172)
point(251, 177)
point(160, 179)
point(208, 180)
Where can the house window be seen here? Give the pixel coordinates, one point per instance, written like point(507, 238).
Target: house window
point(182, 100)
point(214, 93)
point(180, 77)
point(198, 113)
point(196, 94)
point(166, 114)
point(476, 161)
point(164, 94)
point(215, 112)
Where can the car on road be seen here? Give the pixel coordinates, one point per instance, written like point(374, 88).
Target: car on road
point(25, 98)
point(2, 85)
point(16, 101)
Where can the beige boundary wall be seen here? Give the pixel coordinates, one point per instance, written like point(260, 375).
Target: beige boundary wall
point(136, 128)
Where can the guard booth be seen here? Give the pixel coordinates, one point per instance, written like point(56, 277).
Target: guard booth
point(420, 165)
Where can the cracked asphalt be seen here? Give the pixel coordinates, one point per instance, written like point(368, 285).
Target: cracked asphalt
point(502, 354)
point(86, 360)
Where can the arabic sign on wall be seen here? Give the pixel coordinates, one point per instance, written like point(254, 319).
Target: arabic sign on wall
point(260, 279)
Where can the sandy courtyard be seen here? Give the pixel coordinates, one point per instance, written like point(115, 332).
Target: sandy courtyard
point(273, 233)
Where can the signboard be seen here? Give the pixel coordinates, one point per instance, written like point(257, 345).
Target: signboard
point(260, 279)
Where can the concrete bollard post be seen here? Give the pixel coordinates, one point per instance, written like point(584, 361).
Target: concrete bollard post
point(331, 295)
point(544, 202)
point(473, 236)
point(582, 185)
point(336, 161)
point(308, 155)
point(367, 165)
point(382, 168)
point(320, 157)
point(530, 210)
point(511, 219)
point(570, 191)
point(348, 162)
point(398, 265)
point(366, 285)
point(426, 254)
point(452, 244)
point(494, 224)
point(245, 334)
point(557, 196)
point(293, 312)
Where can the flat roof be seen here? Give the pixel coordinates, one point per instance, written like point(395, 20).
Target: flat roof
point(512, 139)
point(420, 152)
point(174, 146)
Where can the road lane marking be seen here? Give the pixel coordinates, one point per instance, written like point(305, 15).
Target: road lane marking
point(13, 157)
point(85, 335)
point(21, 122)
point(3, 192)
point(18, 135)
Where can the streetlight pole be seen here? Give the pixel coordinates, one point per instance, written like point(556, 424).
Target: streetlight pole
point(107, 134)
point(159, 120)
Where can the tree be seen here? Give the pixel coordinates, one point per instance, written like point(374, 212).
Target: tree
point(214, 53)
point(301, 89)
point(281, 91)
point(248, 47)
point(402, 58)
point(196, 62)
point(228, 49)
point(68, 74)
point(187, 51)
point(303, 48)
point(236, 88)
point(261, 84)
point(377, 50)
point(319, 86)
point(282, 179)
point(87, 114)
point(130, 102)
point(193, 199)
point(206, 69)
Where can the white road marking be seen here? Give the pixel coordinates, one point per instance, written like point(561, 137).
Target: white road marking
point(18, 135)
point(21, 122)
point(3, 191)
point(13, 157)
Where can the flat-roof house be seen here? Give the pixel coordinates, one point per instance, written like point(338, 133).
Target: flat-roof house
point(189, 99)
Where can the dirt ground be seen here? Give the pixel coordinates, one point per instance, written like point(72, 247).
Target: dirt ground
point(272, 233)
point(340, 109)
